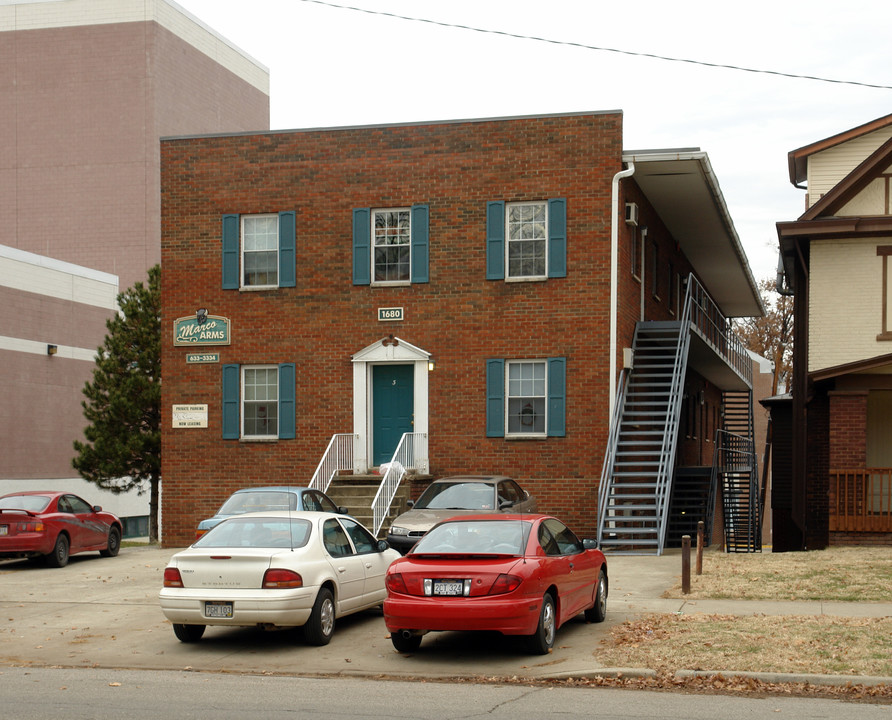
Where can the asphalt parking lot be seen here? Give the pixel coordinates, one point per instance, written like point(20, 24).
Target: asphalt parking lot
point(104, 612)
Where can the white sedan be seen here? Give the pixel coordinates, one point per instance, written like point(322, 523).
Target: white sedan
point(276, 569)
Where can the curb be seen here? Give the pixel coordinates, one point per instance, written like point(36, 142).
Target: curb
point(778, 678)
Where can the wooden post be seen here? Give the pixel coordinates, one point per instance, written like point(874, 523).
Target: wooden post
point(685, 564)
point(700, 531)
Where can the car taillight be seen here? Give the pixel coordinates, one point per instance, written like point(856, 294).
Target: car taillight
point(505, 584)
point(273, 579)
point(394, 583)
point(30, 527)
point(172, 577)
point(199, 533)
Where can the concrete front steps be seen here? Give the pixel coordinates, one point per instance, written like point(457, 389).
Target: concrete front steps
point(356, 493)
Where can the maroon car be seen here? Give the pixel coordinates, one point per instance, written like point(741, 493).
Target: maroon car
point(54, 525)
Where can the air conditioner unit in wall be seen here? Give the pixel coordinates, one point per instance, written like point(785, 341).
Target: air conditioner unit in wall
point(631, 213)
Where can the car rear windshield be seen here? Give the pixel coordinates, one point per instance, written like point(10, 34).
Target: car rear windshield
point(475, 537)
point(261, 501)
point(458, 496)
point(257, 533)
point(34, 503)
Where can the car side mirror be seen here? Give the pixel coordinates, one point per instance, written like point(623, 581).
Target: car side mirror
point(589, 544)
point(342, 510)
point(97, 508)
point(410, 503)
point(383, 545)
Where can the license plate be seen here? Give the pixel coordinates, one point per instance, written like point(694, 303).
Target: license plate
point(449, 587)
point(4, 529)
point(217, 609)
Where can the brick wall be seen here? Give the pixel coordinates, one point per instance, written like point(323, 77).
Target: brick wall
point(459, 316)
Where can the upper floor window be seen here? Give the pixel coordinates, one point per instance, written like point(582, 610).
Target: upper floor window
point(259, 251)
point(526, 240)
point(390, 246)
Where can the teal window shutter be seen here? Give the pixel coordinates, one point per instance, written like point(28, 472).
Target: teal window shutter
point(286, 402)
point(230, 420)
point(495, 240)
point(231, 231)
point(557, 238)
point(557, 397)
point(420, 244)
point(495, 398)
point(287, 249)
point(362, 247)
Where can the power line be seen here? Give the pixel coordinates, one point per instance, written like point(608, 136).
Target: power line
point(565, 43)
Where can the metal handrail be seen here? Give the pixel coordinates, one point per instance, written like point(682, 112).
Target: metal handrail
point(338, 456)
point(411, 451)
point(610, 455)
point(715, 329)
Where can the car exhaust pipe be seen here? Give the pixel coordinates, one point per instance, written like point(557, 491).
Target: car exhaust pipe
point(405, 634)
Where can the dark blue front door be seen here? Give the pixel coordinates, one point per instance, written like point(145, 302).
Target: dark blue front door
point(392, 405)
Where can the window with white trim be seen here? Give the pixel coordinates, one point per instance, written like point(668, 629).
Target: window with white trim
point(527, 225)
point(260, 250)
point(392, 245)
point(526, 395)
point(260, 401)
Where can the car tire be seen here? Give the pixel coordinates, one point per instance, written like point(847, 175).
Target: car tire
point(598, 611)
point(188, 633)
point(320, 627)
point(59, 556)
point(405, 644)
point(114, 543)
point(541, 641)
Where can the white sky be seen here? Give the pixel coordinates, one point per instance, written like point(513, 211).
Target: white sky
point(331, 66)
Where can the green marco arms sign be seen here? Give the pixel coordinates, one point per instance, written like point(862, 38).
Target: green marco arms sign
point(202, 329)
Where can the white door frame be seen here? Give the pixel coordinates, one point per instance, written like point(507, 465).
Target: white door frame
point(389, 350)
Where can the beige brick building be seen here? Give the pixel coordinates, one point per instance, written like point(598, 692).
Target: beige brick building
point(87, 88)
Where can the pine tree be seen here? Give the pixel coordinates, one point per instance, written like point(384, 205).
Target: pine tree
point(122, 451)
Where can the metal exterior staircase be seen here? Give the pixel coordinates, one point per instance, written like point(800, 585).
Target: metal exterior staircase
point(636, 480)
point(735, 469)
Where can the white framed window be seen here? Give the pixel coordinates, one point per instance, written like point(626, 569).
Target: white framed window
point(260, 401)
point(527, 393)
point(260, 250)
point(392, 246)
point(527, 240)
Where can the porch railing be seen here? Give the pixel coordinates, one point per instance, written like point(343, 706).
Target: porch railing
point(711, 325)
point(338, 456)
point(411, 451)
point(861, 500)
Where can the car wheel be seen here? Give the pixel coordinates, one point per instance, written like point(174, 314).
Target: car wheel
point(405, 644)
point(541, 641)
point(114, 543)
point(598, 612)
point(188, 633)
point(59, 556)
point(320, 627)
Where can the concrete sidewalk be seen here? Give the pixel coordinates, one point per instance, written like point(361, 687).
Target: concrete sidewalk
point(104, 612)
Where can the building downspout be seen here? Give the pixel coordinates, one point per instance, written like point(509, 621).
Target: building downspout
point(614, 274)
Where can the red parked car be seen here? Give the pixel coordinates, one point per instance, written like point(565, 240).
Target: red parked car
point(516, 574)
point(55, 525)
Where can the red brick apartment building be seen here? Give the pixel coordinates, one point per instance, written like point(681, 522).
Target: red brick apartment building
point(476, 296)
point(87, 87)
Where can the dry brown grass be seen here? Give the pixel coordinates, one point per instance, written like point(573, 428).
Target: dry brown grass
point(838, 575)
point(787, 644)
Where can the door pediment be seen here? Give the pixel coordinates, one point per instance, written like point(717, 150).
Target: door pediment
point(390, 349)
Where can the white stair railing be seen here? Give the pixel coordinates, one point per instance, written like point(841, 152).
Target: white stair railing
point(410, 454)
point(338, 456)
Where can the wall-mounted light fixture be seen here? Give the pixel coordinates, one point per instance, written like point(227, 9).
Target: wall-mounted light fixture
point(52, 349)
point(431, 364)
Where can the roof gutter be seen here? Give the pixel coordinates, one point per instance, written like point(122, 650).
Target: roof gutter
point(614, 273)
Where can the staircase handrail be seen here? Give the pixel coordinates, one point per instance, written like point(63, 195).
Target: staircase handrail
point(338, 456)
point(412, 445)
point(610, 454)
point(740, 447)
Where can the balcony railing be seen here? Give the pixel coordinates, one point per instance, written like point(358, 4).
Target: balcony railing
point(711, 325)
point(861, 500)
